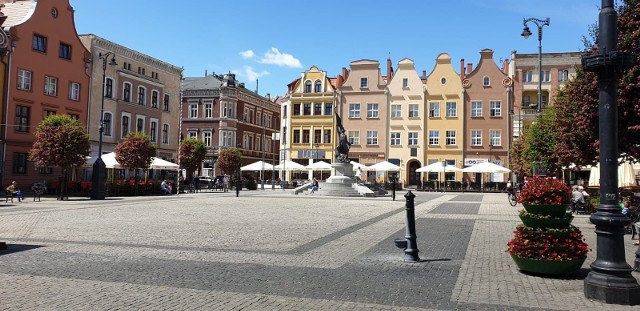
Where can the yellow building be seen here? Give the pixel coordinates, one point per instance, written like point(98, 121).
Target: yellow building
point(311, 133)
point(445, 119)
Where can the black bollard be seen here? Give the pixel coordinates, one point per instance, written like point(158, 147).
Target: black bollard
point(238, 186)
point(409, 243)
point(393, 190)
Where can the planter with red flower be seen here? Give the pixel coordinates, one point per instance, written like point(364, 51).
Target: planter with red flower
point(546, 242)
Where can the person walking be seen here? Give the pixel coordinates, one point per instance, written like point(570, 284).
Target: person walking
point(358, 175)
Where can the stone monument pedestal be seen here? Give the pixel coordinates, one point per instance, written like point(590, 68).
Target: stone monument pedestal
point(341, 182)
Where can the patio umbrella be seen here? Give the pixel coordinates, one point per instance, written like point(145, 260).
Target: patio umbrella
point(357, 165)
point(437, 167)
point(384, 166)
point(486, 167)
point(626, 175)
point(289, 165)
point(257, 166)
point(319, 166)
point(109, 160)
point(160, 164)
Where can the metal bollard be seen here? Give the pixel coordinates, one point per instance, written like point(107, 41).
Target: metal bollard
point(393, 190)
point(409, 243)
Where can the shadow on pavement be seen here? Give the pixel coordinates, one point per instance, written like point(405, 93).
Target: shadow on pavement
point(14, 248)
point(580, 275)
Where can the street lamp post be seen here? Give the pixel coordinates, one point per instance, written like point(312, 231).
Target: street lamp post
point(490, 148)
point(99, 168)
point(610, 279)
point(262, 147)
point(526, 33)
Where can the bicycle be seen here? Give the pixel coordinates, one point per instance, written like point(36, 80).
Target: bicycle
point(513, 196)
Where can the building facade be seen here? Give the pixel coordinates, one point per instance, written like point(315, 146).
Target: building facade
point(487, 100)
point(312, 119)
point(140, 94)
point(445, 119)
point(407, 124)
point(48, 72)
point(221, 112)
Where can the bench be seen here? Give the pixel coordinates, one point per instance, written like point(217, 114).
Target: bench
point(37, 192)
point(8, 196)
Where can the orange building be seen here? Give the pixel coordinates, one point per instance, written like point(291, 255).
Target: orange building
point(48, 72)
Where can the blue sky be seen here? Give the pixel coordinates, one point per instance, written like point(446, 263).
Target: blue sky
point(275, 40)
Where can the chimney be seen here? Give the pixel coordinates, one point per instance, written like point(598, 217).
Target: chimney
point(268, 96)
point(339, 81)
point(462, 73)
point(424, 73)
point(345, 73)
point(505, 67)
point(469, 67)
point(389, 69)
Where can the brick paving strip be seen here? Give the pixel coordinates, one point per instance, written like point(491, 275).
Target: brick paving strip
point(268, 251)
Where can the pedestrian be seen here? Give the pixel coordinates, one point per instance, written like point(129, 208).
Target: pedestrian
point(359, 175)
point(165, 187)
point(314, 185)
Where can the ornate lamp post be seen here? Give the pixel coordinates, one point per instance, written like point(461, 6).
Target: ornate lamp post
point(99, 168)
point(526, 33)
point(610, 279)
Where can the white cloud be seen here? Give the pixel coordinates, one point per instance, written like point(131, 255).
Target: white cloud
point(274, 57)
point(250, 74)
point(247, 54)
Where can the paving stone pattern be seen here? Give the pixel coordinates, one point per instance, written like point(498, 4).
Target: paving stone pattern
point(270, 250)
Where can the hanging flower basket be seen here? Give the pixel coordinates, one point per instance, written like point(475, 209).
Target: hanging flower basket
point(548, 266)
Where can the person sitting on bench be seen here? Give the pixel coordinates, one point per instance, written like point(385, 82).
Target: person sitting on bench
point(13, 188)
point(166, 188)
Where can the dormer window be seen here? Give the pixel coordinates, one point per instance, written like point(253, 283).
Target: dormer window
point(364, 83)
point(307, 87)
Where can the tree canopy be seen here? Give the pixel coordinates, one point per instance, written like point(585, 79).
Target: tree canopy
point(60, 140)
point(229, 160)
point(135, 151)
point(192, 153)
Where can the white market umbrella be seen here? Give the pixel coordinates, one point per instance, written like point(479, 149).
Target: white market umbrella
point(486, 167)
point(289, 165)
point(257, 166)
point(320, 166)
point(357, 166)
point(626, 175)
point(437, 167)
point(384, 166)
point(160, 164)
point(109, 160)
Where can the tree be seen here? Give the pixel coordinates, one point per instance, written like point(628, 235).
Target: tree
point(229, 160)
point(192, 153)
point(60, 141)
point(578, 104)
point(135, 151)
point(541, 139)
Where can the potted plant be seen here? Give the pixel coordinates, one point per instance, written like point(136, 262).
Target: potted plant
point(546, 243)
point(251, 184)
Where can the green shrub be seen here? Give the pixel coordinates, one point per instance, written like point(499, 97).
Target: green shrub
point(251, 184)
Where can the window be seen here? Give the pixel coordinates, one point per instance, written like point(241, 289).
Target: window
point(206, 138)
point(142, 96)
point(74, 91)
point(364, 83)
point(19, 163)
point(317, 136)
point(526, 100)
point(476, 138)
point(296, 136)
point(395, 139)
point(208, 109)
point(413, 138)
point(434, 109)
point(434, 137)
point(327, 136)
point(259, 118)
point(317, 87)
point(24, 80)
point(50, 86)
point(306, 109)
point(452, 109)
point(64, 51)
point(396, 111)
point(154, 99)
point(126, 93)
point(405, 83)
point(476, 109)
point(165, 133)
point(140, 124)
point(527, 76)
point(166, 102)
point(48, 113)
point(307, 86)
point(22, 119)
point(372, 137)
point(563, 75)
point(40, 43)
point(74, 116)
point(317, 109)
point(496, 110)
point(153, 130)
point(354, 110)
point(496, 137)
point(414, 109)
point(354, 137)
point(328, 109)
point(125, 125)
point(372, 111)
point(106, 123)
point(545, 76)
point(545, 100)
point(192, 134)
point(296, 109)
point(193, 110)
point(486, 81)
point(45, 170)
point(450, 138)
point(108, 88)
point(306, 136)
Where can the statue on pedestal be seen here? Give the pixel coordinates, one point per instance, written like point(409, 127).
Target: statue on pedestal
point(343, 142)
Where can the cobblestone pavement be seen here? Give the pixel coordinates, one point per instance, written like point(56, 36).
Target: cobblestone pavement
point(270, 250)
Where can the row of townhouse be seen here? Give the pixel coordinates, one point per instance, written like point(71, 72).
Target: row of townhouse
point(50, 69)
point(461, 118)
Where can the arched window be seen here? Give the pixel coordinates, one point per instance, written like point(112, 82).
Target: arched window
point(318, 87)
point(307, 87)
point(486, 81)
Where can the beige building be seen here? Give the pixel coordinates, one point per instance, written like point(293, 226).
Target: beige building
point(487, 96)
point(445, 119)
point(407, 121)
point(141, 94)
point(362, 105)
